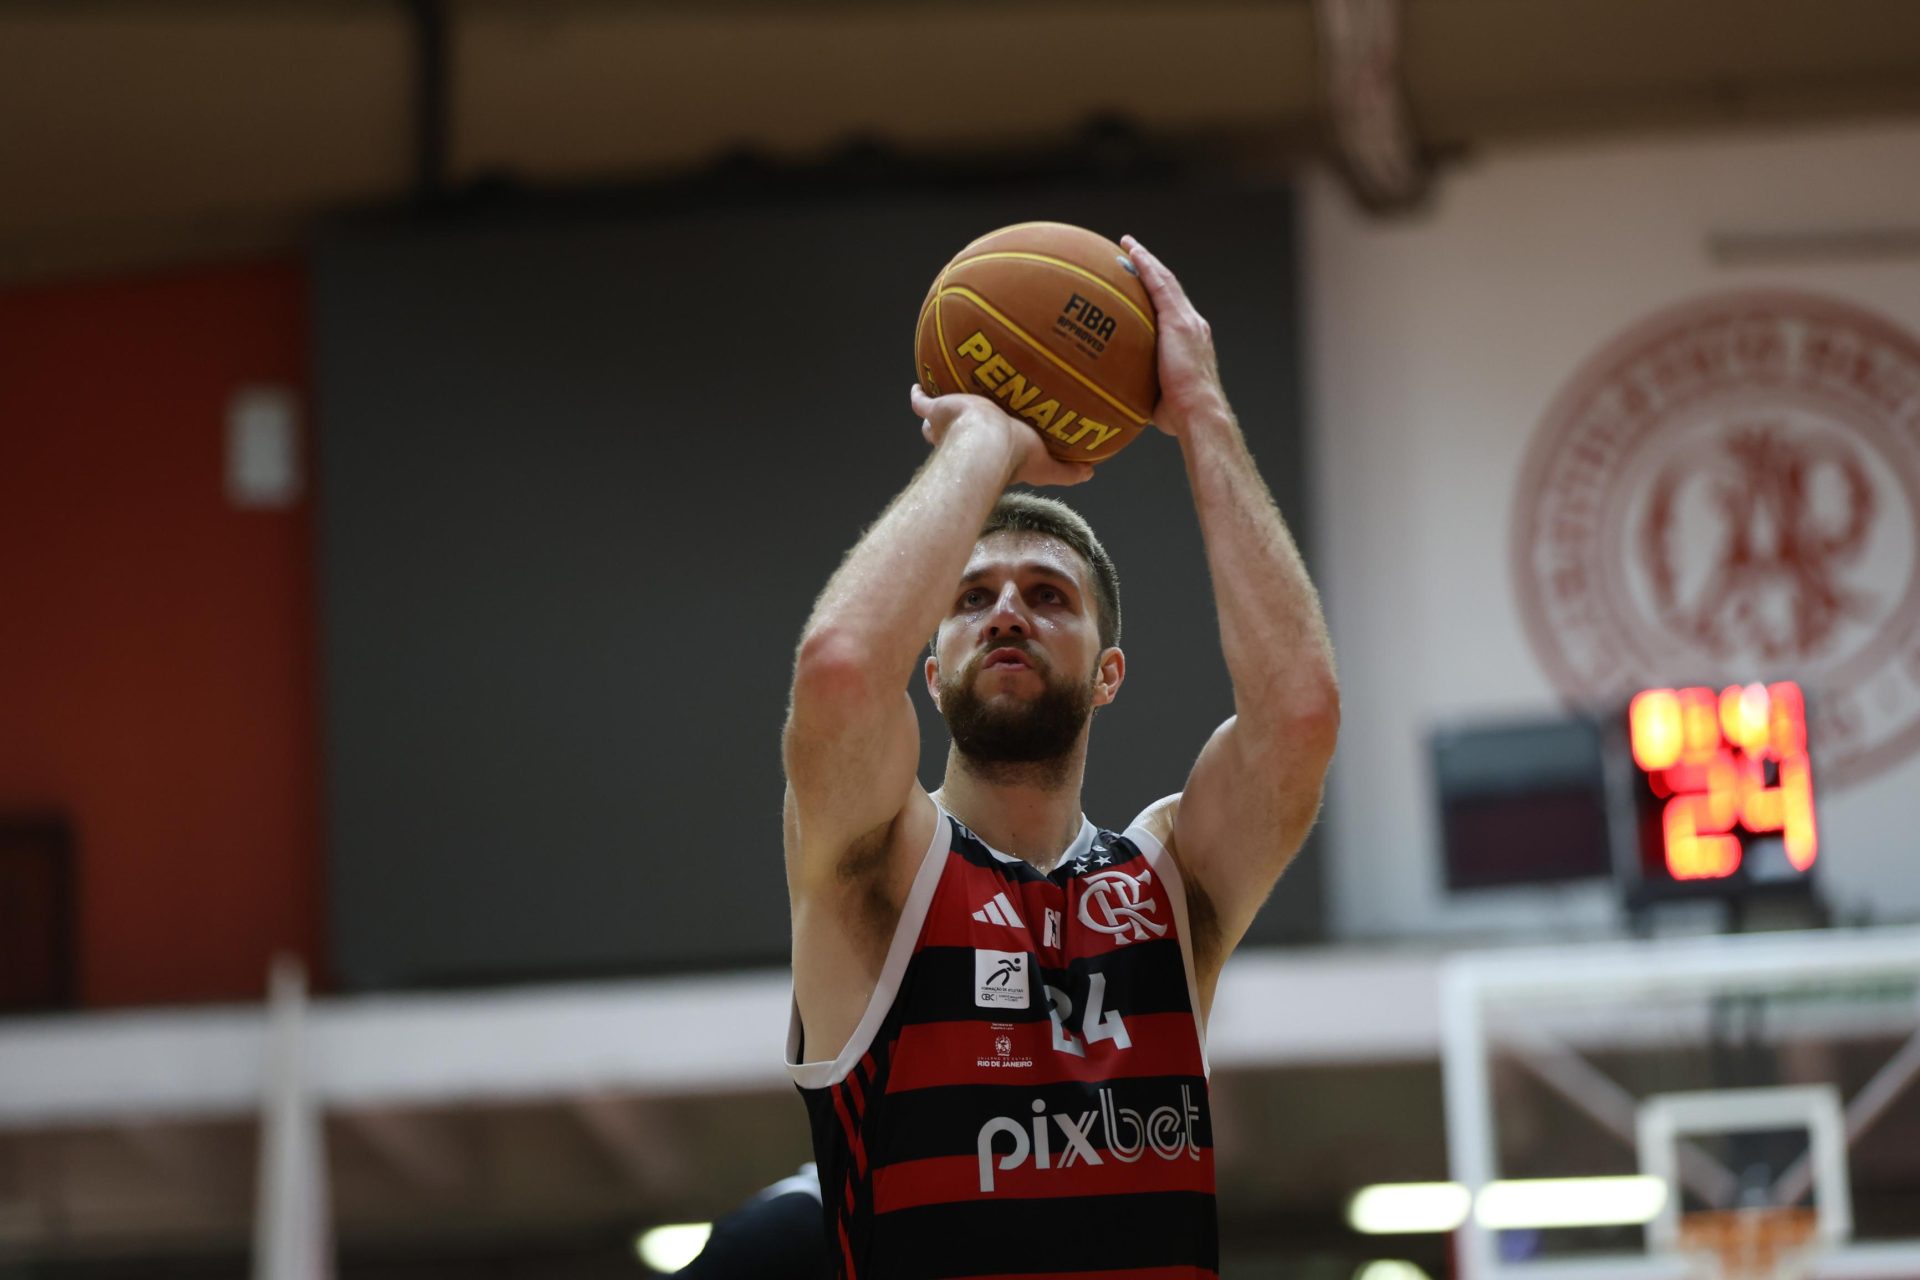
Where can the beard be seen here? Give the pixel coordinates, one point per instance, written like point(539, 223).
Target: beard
point(1007, 738)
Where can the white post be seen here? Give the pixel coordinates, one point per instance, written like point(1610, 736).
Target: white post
point(292, 1235)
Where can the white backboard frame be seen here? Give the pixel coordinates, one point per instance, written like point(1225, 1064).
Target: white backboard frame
point(1653, 967)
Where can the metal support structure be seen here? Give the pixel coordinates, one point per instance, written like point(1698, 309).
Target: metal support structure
point(1373, 134)
point(1863, 1109)
point(411, 1144)
point(292, 1232)
point(1614, 1109)
point(432, 100)
point(628, 1133)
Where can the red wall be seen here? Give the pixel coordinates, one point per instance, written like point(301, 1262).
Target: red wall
point(157, 670)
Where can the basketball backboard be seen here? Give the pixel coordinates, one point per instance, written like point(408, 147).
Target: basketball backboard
point(1725, 1081)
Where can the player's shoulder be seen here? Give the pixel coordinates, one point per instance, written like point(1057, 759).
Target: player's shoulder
point(1156, 820)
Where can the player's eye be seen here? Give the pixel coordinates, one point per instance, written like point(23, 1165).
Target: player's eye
point(973, 599)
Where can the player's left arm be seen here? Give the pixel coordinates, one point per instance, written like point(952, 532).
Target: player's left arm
point(1255, 790)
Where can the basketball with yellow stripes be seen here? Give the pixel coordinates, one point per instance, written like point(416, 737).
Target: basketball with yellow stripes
point(1051, 321)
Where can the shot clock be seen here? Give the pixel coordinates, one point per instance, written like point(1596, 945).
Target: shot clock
point(1695, 794)
point(1723, 791)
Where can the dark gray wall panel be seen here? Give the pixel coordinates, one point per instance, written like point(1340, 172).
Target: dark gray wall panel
point(580, 481)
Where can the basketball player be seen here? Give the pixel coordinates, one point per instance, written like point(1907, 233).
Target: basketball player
point(999, 1007)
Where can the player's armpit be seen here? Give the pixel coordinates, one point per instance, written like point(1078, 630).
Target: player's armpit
point(1247, 808)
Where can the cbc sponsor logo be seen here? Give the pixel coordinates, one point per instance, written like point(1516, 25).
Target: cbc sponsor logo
point(1166, 1131)
point(1000, 979)
point(1115, 903)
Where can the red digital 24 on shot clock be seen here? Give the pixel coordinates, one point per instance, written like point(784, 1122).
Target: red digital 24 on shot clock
point(1724, 788)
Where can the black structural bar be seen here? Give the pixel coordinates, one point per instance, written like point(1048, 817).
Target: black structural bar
point(432, 99)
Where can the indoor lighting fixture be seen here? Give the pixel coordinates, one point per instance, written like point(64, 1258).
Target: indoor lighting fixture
point(669, 1248)
point(1570, 1202)
point(1392, 1208)
point(1389, 1269)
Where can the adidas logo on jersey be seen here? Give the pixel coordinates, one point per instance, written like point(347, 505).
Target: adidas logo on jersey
point(999, 910)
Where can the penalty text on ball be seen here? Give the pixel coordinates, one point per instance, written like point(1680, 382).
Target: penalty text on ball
point(1025, 399)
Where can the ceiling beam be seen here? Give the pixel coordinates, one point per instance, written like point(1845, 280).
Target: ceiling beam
point(630, 1135)
point(1361, 48)
point(424, 1152)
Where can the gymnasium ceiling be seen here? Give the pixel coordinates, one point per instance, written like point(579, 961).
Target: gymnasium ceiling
point(144, 133)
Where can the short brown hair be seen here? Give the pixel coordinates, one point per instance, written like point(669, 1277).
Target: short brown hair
point(1021, 512)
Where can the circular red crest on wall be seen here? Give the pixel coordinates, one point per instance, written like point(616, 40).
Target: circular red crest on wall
point(1730, 491)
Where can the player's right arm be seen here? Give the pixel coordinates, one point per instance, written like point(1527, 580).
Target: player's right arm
point(851, 743)
point(856, 817)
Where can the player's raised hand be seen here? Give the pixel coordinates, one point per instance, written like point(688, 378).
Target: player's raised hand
point(940, 415)
point(1189, 369)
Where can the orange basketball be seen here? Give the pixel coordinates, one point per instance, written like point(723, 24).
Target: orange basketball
point(1051, 321)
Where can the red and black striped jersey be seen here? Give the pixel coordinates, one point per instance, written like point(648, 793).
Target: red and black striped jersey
point(1026, 1094)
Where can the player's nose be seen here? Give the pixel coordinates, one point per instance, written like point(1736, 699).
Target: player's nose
point(1008, 616)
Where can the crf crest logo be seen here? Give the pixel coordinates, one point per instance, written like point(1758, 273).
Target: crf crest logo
point(1729, 492)
point(1116, 903)
point(1747, 539)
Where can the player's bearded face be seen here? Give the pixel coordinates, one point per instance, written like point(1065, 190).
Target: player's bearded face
point(1004, 728)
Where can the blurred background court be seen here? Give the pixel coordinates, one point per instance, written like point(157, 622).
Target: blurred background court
point(423, 427)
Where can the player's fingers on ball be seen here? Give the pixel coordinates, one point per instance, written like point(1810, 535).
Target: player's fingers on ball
point(1196, 324)
point(1171, 305)
point(1145, 265)
point(921, 402)
point(1183, 320)
point(1153, 272)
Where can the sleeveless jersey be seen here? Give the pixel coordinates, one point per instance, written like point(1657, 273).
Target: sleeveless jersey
point(1026, 1094)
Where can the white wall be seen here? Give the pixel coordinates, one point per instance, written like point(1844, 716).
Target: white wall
point(1437, 345)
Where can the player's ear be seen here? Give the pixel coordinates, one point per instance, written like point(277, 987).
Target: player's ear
point(1108, 675)
point(932, 673)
